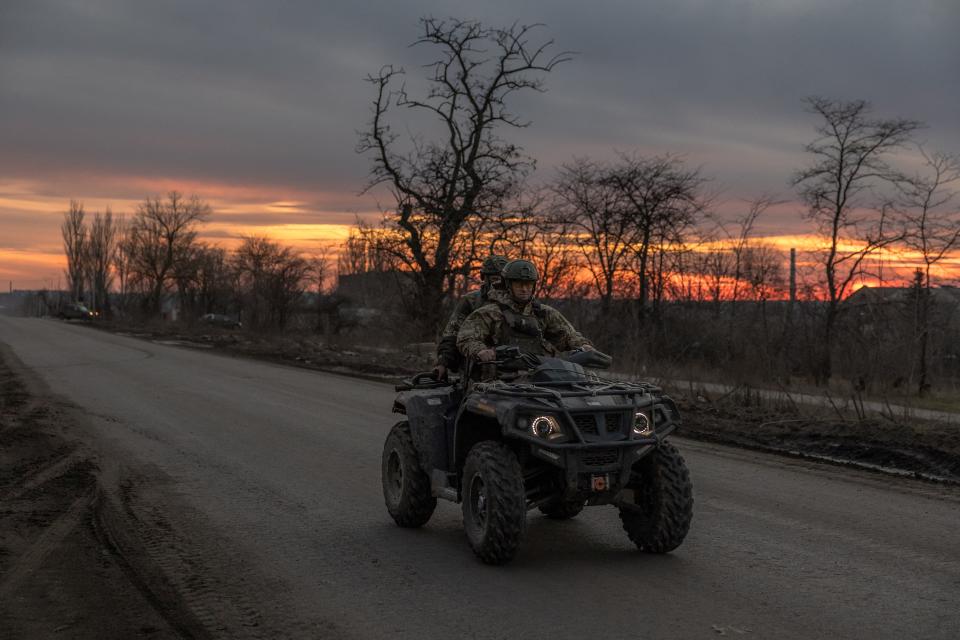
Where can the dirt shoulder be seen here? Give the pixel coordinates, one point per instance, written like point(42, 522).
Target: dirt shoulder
point(94, 544)
point(60, 574)
point(305, 350)
point(916, 447)
point(920, 448)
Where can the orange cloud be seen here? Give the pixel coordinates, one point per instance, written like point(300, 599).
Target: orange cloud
point(31, 212)
point(30, 270)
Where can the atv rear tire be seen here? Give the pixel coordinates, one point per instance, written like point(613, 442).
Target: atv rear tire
point(494, 502)
point(406, 487)
point(562, 509)
point(664, 494)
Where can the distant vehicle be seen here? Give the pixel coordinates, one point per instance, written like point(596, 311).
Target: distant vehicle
point(75, 311)
point(221, 320)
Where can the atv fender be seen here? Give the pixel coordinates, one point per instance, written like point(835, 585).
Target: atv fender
point(475, 422)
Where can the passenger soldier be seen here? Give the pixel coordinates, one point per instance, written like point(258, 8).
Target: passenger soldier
point(514, 317)
point(448, 356)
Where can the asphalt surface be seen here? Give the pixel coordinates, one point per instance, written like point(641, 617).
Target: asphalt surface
point(262, 483)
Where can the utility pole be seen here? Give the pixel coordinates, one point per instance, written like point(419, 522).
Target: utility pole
point(793, 276)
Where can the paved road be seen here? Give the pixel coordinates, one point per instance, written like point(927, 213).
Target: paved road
point(271, 474)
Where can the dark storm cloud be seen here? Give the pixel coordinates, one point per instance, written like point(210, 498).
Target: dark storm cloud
point(271, 93)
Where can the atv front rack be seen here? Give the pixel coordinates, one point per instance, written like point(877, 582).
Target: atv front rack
point(571, 389)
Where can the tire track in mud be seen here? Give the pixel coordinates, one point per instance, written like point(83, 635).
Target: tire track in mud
point(200, 587)
point(113, 532)
point(54, 577)
point(33, 557)
point(54, 503)
point(59, 467)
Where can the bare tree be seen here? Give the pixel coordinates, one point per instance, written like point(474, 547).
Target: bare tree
point(761, 271)
point(321, 274)
point(528, 231)
point(738, 241)
point(556, 256)
point(589, 204)
point(321, 269)
point(74, 232)
point(161, 233)
point(101, 250)
point(659, 197)
point(733, 256)
point(367, 249)
point(353, 254)
point(932, 217)
point(717, 270)
point(273, 279)
point(203, 280)
point(123, 262)
point(849, 163)
point(440, 185)
point(214, 280)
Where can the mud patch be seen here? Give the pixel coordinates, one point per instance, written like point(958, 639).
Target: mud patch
point(57, 579)
point(920, 448)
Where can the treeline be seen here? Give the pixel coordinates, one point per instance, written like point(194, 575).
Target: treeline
point(641, 233)
point(634, 253)
point(153, 265)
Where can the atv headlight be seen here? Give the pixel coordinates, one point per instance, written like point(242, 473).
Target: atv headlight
point(642, 425)
point(545, 427)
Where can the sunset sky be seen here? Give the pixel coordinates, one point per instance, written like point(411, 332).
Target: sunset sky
point(254, 106)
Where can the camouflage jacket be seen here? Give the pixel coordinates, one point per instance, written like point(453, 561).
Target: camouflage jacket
point(447, 353)
point(484, 328)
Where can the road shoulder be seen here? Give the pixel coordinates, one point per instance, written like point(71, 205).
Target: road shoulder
point(59, 573)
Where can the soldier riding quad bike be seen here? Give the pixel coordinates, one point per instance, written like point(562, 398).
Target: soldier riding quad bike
point(539, 432)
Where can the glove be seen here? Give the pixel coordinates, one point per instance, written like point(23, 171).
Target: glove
point(486, 355)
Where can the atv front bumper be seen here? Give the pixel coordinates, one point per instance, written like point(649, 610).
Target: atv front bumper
point(597, 471)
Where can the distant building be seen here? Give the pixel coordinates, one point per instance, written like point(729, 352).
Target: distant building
point(945, 295)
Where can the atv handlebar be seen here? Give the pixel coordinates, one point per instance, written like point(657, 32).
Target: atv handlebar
point(425, 380)
point(515, 360)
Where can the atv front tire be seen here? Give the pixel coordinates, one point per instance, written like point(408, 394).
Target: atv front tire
point(406, 487)
point(494, 502)
point(562, 509)
point(658, 518)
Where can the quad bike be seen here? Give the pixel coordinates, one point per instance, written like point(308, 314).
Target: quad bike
point(525, 432)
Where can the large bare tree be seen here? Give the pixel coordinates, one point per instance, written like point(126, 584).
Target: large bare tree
point(161, 233)
point(440, 184)
point(840, 189)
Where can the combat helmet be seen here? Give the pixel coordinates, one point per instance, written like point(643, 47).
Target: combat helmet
point(493, 265)
point(522, 270)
